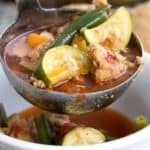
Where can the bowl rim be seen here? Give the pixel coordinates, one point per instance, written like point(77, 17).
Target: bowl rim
point(112, 145)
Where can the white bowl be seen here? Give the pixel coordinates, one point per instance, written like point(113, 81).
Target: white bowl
point(136, 101)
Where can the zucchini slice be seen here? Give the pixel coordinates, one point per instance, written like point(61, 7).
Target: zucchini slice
point(83, 136)
point(43, 128)
point(114, 33)
point(62, 63)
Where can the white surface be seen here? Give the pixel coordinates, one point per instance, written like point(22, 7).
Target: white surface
point(9, 97)
point(134, 102)
point(8, 13)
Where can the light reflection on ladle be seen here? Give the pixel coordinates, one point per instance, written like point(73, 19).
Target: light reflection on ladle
point(61, 9)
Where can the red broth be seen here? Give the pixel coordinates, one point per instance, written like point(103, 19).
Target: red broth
point(109, 121)
point(18, 48)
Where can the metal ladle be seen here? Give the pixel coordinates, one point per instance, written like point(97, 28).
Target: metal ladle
point(52, 100)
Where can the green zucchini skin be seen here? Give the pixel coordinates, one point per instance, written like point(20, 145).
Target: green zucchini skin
point(90, 19)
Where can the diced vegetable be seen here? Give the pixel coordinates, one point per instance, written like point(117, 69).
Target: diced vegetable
point(62, 63)
point(88, 20)
point(140, 123)
point(35, 39)
point(83, 136)
point(44, 129)
point(79, 42)
point(114, 33)
point(3, 117)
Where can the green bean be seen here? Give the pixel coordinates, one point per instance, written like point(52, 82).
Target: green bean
point(3, 116)
point(44, 129)
point(88, 20)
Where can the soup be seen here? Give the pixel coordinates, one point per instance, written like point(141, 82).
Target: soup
point(38, 126)
point(110, 122)
point(84, 68)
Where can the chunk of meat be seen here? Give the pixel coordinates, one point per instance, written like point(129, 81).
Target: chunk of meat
point(138, 60)
point(106, 64)
point(20, 128)
point(99, 3)
point(37, 83)
point(24, 128)
point(40, 42)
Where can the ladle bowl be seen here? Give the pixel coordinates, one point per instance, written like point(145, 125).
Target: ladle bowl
point(59, 102)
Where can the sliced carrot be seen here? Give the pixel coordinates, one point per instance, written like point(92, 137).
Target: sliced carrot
point(35, 39)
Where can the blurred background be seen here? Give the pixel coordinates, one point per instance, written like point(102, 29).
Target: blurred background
point(8, 13)
point(140, 10)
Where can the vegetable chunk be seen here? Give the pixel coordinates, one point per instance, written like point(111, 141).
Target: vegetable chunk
point(62, 63)
point(114, 33)
point(83, 136)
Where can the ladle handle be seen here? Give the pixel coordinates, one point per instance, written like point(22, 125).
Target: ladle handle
point(25, 4)
point(50, 4)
